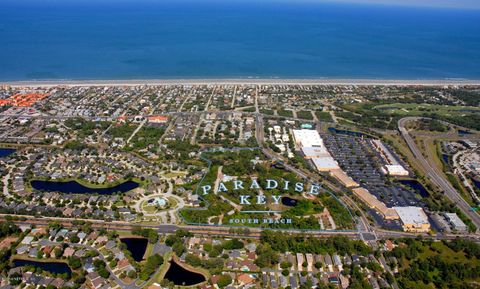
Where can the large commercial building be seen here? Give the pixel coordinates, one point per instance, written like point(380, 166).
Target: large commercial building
point(393, 167)
point(455, 222)
point(372, 201)
point(312, 146)
point(308, 138)
point(413, 219)
point(343, 178)
point(396, 170)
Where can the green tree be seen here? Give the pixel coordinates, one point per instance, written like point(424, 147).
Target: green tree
point(74, 262)
point(224, 281)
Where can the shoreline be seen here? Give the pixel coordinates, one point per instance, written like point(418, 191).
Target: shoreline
point(242, 81)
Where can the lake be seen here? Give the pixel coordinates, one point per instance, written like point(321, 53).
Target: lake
point(419, 188)
point(53, 267)
point(181, 276)
point(136, 246)
point(73, 187)
point(6, 152)
point(105, 39)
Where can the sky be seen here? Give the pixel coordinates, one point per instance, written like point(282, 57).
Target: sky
point(461, 4)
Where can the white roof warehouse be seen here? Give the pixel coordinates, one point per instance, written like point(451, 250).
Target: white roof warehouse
point(414, 219)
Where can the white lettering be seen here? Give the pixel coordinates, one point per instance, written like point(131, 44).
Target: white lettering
point(271, 184)
point(314, 189)
point(237, 185)
point(244, 200)
point(254, 184)
point(206, 189)
point(299, 187)
point(261, 200)
point(276, 199)
point(222, 188)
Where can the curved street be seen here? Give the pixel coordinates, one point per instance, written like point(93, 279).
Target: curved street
point(163, 213)
point(435, 176)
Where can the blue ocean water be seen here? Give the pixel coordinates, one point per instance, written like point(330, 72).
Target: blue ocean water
point(200, 39)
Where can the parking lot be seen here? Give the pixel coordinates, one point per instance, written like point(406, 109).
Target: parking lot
point(361, 161)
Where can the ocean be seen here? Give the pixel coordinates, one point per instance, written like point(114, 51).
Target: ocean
point(49, 40)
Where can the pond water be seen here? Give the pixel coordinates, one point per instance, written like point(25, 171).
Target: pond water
point(136, 246)
point(161, 202)
point(416, 186)
point(468, 110)
point(74, 187)
point(445, 158)
point(181, 276)
point(347, 132)
point(289, 202)
point(476, 183)
point(53, 267)
point(462, 132)
point(6, 152)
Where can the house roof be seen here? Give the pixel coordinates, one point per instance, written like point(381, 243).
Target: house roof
point(245, 279)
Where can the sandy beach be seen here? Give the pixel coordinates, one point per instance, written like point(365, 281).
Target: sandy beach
point(240, 81)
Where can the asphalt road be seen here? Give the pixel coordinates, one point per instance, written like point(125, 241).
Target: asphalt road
point(435, 175)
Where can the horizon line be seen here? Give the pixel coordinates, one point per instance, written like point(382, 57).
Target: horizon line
point(239, 81)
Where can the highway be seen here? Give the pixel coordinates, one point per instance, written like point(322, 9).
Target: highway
point(435, 175)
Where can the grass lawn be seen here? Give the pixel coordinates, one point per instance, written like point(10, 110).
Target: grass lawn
point(148, 251)
point(286, 113)
point(323, 116)
point(149, 223)
point(445, 253)
point(267, 111)
point(148, 209)
point(172, 203)
point(399, 145)
point(174, 174)
point(304, 114)
point(157, 278)
point(433, 156)
point(125, 234)
point(248, 108)
point(419, 109)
